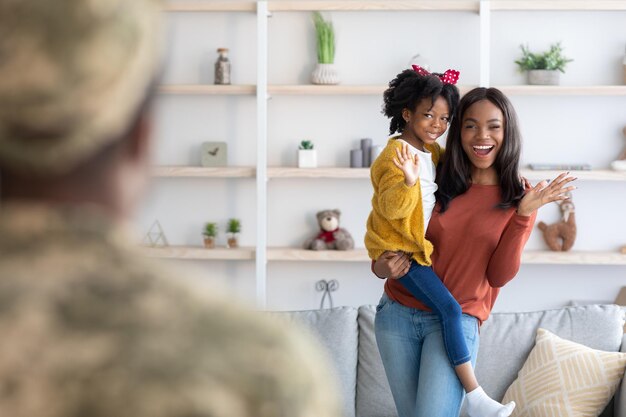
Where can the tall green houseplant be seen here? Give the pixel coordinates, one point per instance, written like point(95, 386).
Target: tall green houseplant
point(325, 71)
point(325, 34)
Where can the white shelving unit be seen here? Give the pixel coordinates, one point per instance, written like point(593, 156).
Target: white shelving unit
point(261, 173)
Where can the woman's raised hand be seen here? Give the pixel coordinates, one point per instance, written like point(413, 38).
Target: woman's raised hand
point(409, 164)
point(392, 265)
point(544, 193)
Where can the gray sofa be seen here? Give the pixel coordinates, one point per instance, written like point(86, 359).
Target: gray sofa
point(347, 333)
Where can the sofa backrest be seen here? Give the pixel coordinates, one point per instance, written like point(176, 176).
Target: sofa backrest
point(506, 339)
point(505, 342)
point(337, 331)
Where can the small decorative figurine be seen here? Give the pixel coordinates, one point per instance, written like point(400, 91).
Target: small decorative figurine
point(560, 236)
point(222, 67)
point(155, 237)
point(620, 163)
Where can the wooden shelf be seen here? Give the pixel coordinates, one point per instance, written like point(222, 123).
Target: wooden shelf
point(295, 254)
point(216, 172)
point(362, 90)
point(360, 255)
point(561, 90)
point(369, 5)
point(325, 172)
point(198, 252)
point(593, 175)
point(210, 6)
point(564, 5)
point(347, 173)
point(574, 258)
point(336, 90)
point(208, 89)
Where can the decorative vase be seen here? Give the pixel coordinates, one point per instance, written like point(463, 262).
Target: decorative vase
point(307, 158)
point(543, 77)
point(325, 74)
point(232, 241)
point(209, 242)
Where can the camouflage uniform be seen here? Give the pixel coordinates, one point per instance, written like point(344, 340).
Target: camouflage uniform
point(89, 326)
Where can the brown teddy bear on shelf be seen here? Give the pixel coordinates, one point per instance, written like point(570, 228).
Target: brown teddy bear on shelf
point(331, 236)
point(560, 236)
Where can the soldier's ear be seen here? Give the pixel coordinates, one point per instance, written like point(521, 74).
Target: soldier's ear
point(337, 212)
point(139, 135)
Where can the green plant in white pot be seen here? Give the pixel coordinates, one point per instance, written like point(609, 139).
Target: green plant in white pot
point(307, 155)
point(543, 68)
point(325, 71)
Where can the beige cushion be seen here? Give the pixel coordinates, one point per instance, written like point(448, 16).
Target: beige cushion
point(565, 379)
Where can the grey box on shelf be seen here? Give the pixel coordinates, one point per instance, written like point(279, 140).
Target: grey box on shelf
point(213, 154)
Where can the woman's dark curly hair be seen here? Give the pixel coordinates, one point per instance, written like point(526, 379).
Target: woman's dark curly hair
point(408, 89)
point(454, 178)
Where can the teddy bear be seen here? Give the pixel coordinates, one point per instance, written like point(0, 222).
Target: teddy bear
point(560, 236)
point(331, 236)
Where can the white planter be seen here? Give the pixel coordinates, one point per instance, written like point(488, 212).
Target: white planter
point(325, 74)
point(543, 77)
point(307, 158)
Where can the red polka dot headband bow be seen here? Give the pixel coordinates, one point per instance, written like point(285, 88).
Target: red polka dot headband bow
point(449, 77)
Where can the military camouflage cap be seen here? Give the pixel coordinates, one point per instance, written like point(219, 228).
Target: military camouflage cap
point(73, 74)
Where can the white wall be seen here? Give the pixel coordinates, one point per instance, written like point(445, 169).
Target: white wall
point(371, 48)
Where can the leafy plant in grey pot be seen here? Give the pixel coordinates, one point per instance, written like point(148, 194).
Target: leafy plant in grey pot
point(543, 68)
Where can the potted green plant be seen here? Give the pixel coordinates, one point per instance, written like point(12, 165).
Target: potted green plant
point(210, 234)
point(543, 68)
point(307, 156)
point(325, 71)
point(233, 228)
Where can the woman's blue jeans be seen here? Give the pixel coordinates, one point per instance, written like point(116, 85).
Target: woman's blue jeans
point(422, 380)
point(425, 285)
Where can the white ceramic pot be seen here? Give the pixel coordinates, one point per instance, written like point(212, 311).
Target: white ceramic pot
point(325, 74)
point(543, 77)
point(307, 158)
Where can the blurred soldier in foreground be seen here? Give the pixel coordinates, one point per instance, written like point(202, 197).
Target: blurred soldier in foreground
point(89, 327)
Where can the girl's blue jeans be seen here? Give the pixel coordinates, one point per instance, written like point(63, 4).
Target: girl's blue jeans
point(425, 285)
point(422, 380)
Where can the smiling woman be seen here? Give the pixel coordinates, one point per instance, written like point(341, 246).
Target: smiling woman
point(489, 149)
point(476, 249)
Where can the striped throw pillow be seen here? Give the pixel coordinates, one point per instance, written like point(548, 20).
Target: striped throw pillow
point(565, 379)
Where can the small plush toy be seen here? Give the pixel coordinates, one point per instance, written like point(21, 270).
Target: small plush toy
point(620, 163)
point(331, 236)
point(560, 236)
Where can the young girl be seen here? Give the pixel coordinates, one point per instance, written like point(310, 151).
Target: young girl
point(420, 106)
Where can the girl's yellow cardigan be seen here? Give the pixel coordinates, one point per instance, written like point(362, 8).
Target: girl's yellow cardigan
point(396, 222)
